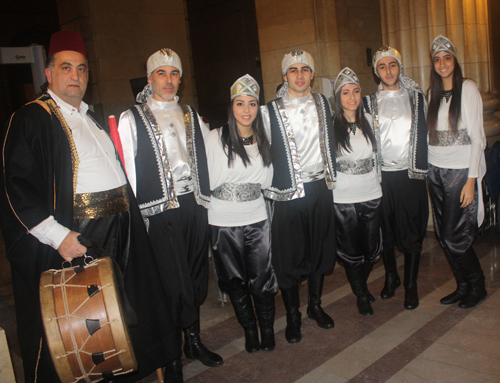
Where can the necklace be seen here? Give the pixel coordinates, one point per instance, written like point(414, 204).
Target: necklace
point(247, 140)
point(351, 127)
point(447, 94)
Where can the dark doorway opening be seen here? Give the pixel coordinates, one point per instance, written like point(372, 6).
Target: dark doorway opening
point(225, 46)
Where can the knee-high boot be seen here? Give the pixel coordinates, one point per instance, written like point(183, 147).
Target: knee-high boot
point(194, 349)
point(367, 269)
point(463, 288)
point(243, 308)
point(265, 310)
point(474, 277)
point(357, 281)
point(392, 281)
point(291, 299)
point(314, 309)
point(412, 262)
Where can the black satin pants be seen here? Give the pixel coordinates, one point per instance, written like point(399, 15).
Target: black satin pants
point(456, 227)
point(359, 235)
point(303, 235)
point(242, 258)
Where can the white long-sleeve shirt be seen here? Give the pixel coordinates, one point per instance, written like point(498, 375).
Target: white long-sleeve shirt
point(99, 168)
point(232, 214)
point(464, 156)
point(355, 188)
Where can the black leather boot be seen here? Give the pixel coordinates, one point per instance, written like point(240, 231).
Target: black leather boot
point(194, 349)
point(463, 288)
point(265, 310)
point(357, 281)
point(412, 262)
point(314, 309)
point(478, 291)
point(173, 372)
point(291, 299)
point(392, 281)
point(367, 269)
point(243, 308)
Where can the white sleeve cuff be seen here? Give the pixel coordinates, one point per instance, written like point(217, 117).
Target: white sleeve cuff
point(49, 232)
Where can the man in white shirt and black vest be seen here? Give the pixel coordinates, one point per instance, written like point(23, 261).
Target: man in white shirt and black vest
point(62, 179)
point(299, 124)
point(398, 108)
point(165, 160)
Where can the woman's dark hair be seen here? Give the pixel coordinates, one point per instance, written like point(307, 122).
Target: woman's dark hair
point(233, 144)
point(342, 141)
point(435, 91)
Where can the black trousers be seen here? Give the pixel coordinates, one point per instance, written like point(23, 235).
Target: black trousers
point(456, 227)
point(180, 242)
point(405, 209)
point(242, 258)
point(359, 235)
point(303, 235)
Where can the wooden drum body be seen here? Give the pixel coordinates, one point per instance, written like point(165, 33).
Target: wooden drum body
point(82, 315)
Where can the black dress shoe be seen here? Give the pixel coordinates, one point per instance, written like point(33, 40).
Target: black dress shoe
point(251, 339)
point(173, 372)
point(194, 349)
point(322, 319)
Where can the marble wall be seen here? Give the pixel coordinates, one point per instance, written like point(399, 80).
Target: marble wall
point(335, 32)
point(119, 36)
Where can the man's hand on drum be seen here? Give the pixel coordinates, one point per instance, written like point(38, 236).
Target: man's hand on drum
point(70, 248)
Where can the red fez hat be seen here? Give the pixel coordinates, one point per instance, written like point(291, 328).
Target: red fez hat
point(66, 41)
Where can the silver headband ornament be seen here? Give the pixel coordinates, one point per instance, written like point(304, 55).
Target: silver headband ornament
point(386, 51)
point(245, 86)
point(345, 77)
point(158, 59)
point(443, 44)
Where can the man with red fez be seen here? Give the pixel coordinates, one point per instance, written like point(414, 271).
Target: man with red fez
point(62, 179)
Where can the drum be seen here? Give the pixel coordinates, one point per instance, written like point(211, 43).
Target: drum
point(82, 315)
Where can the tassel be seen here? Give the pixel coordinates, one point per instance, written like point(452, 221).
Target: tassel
point(115, 136)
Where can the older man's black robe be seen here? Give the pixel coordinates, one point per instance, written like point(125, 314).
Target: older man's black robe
point(38, 182)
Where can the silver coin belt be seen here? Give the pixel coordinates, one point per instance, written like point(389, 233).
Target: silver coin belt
point(357, 167)
point(234, 192)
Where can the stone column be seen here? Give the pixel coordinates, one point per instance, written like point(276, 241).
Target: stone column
point(411, 25)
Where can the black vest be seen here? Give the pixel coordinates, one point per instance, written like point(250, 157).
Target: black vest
point(155, 191)
point(287, 181)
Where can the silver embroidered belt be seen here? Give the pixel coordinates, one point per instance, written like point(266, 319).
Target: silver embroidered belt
point(355, 167)
point(234, 192)
point(448, 138)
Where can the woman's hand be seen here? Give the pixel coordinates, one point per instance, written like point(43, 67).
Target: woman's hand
point(467, 195)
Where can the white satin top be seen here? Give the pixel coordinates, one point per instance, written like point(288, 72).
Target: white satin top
point(395, 125)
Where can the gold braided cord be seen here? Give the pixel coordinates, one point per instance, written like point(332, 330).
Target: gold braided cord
point(75, 161)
